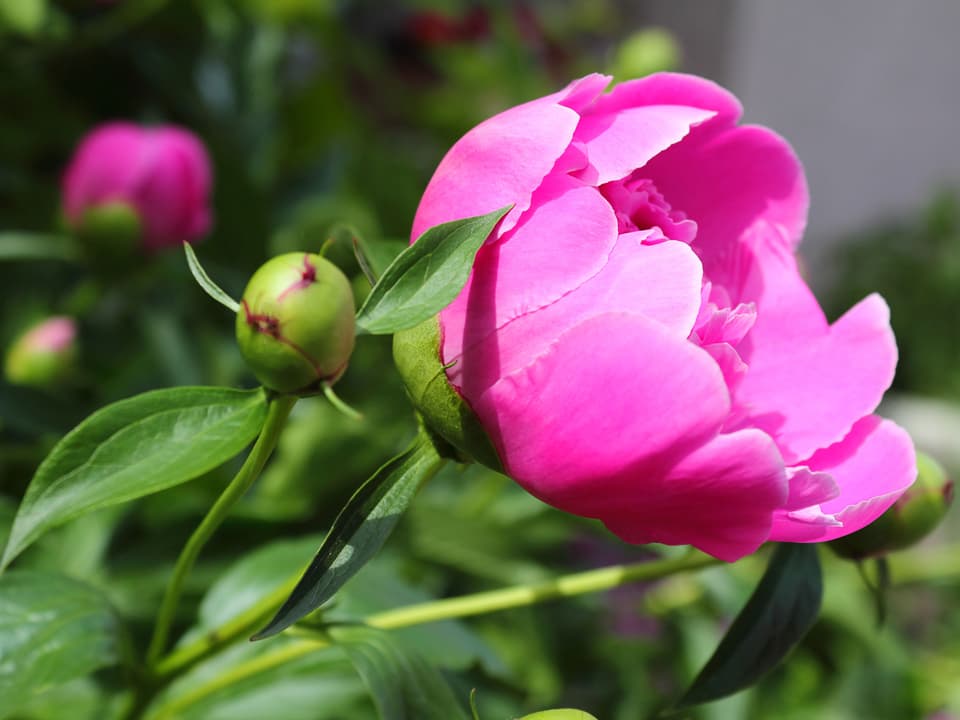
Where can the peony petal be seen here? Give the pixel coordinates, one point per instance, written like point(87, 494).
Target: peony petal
point(673, 89)
point(619, 143)
point(729, 181)
point(809, 488)
point(806, 525)
point(732, 366)
point(544, 258)
point(615, 397)
point(104, 167)
point(164, 191)
point(872, 466)
point(719, 498)
point(725, 325)
point(580, 93)
point(660, 282)
point(499, 162)
point(809, 383)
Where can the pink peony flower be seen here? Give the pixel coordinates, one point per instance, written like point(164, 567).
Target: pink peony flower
point(163, 173)
point(635, 338)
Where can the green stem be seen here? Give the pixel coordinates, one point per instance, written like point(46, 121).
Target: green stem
point(521, 596)
point(278, 409)
point(339, 404)
point(420, 455)
point(459, 607)
point(242, 625)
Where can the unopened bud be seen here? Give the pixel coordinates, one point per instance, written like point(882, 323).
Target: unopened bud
point(295, 326)
point(44, 355)
point(561, 714)
point(161, 175)
point(911, 518)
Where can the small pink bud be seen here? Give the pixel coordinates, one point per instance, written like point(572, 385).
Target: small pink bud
point(44, 354)
point(160, 173)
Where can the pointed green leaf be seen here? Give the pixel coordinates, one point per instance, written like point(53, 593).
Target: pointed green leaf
point(404, 686)
point(781, 610)
point(36, 246)
point(53, 629)
point(252, 577)
point(426, 276)
point(359, 531)
point(133, 448)
point(205, 282)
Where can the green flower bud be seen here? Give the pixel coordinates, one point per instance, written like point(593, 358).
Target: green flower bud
point(417, 355)
point(44, 355)
point(561, 714)
point(295, 326)
point(109, 232)
point(911, 518)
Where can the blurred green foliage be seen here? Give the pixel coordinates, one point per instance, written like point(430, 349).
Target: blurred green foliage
point(914, 262)
point(317, 113)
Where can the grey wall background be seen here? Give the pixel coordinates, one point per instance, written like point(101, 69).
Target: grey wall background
point(867, 91)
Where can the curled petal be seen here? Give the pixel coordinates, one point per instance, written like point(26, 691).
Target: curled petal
point(808, 382)
point(673, 89)
point(619, 143)
point(728, 182)
point(872, 467)
point(546, 257)
point(500, 162)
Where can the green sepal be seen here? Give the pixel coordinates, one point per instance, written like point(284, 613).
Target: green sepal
point(416, 353)
point(110, 233)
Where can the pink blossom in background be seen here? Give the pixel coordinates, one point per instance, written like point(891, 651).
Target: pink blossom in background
point(635, 337)
point(43, 356)
point(162, 172)
point(53, 335)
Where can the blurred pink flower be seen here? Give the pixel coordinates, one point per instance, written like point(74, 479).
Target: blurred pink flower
point(54, 334)
point(635, 337)
point(162, 172)
point(43, 356)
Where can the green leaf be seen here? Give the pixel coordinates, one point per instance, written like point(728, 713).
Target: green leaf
point(781, 610)
point(208, 285)
point(252, 577)
point(52, 629)
point(133, 448)
point(373, 255)
point(359, 531)
point(561, 714)
point(317, 686)
point(404, 686)
point(426, 276)
point(35, 246)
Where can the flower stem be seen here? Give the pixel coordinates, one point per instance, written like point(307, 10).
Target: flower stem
point(459, 607)
point(278, 409)
point(242, 625)
point(523, 595)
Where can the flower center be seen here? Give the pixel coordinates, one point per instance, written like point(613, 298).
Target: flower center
point(640, 206)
